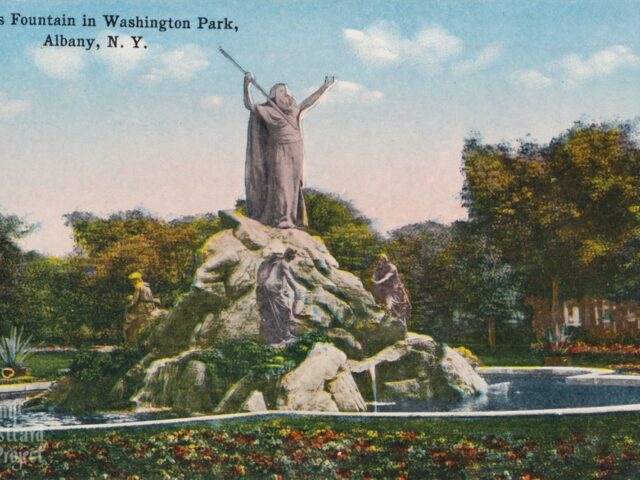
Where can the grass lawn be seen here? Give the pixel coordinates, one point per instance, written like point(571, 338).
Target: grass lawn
point(278, 448)
point(506, 355)
point(47, 365)
point(521, 355)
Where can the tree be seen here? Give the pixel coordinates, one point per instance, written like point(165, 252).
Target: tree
point(112, 248)
point(565, 215)
point(457, 284)
point(12, 267)
point(347, 232)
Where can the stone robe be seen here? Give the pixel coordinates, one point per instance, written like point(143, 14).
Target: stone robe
point(390, 291)
point(143, 311)
point(277, 297)
point(274, 169)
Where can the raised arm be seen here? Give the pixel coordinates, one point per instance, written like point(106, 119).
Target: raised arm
point(312, 99)
point(248, 98)
point(135, 298)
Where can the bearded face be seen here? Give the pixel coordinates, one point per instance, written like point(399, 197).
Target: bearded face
point(282, 97)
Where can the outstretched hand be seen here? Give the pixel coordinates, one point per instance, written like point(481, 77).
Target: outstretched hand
point(329, 81)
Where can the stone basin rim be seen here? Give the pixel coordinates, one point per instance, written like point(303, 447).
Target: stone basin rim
point(629, 408)
point(584, 375)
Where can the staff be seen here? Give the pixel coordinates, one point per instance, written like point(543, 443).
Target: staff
point(271, 102)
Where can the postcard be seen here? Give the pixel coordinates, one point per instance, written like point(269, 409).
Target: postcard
point(304, 239)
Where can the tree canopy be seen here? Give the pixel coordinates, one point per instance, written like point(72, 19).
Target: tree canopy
point(347, 233)
point(567, 212)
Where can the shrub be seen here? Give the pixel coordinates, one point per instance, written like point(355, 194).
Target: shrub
point(232, 360)
point(14, 350)
point(93, 367)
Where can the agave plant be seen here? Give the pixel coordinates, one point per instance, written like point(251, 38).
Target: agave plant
point(14, 350)
point(558, 340)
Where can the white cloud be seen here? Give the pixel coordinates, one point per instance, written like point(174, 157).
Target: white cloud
point(530, 78)
point(211, 101)
point(483, 59)
point(181, 63)
point(603, 62)
point(121, 60)
point(351, 92)
point(9, 107)
point(384, 44)
point(60, 63)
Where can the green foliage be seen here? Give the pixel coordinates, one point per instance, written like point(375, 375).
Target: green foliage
point(456, 281)
point(356, 247)
point(14, 349)
point(346, 232)
point(57, 301)
point(95, 368)
point(164, 252)
point(567, 211)
point(48, 365)
point(12, 266)
point(297, 351)
point(234, 359)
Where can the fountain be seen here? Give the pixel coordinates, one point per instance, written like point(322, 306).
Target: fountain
point(374, 386)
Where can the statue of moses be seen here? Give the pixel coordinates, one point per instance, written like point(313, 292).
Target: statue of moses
point(275, 155)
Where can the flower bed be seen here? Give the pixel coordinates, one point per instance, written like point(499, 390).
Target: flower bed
point(603, 447)
point(602, 354)
point(582, 348)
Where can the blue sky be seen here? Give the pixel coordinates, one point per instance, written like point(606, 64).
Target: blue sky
point(164, 128)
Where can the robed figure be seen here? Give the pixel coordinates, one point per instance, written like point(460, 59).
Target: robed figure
point(278, 296)
point(143, 310)
point(274, 167)
point(390, 290)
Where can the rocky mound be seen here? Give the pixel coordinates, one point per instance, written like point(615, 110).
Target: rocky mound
point(224, 302)
point(271, 286)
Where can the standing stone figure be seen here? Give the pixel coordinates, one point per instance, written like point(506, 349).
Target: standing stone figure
point(390, 291)
point(274, 164)
point(143, 309)
point(278, 295)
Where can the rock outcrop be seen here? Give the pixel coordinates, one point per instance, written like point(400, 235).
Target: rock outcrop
point(226, 302)
point(223, 303)
point(418, 368)
point(181, 382)
point(322, 382)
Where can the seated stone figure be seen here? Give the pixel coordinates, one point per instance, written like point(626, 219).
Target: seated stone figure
point(143, 310)
point(278, 296)
point(390, 291)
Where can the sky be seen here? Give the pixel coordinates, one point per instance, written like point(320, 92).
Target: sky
point(164, 128)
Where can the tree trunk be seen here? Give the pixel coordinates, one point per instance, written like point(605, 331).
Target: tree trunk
point(555, 305)
point(491, 340)
point(586, 313)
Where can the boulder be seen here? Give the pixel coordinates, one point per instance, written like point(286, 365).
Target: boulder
point(182, 382)
point(234, 397)
point(410, 389)
point(417, 368)
point(254, 403)
point(460, 375)
point(322, 382)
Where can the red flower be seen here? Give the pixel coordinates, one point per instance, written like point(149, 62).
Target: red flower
point(362, 445)
point(564, 450)
point(244, 439)
point(409, 435)
point(295, 436)
point(239, 469)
